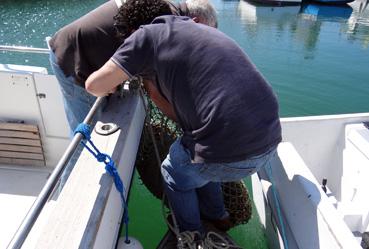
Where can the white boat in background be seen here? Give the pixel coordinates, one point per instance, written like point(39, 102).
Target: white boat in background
point(251, 12)
point(320, 180)
point(274, 3)
point(34, 149)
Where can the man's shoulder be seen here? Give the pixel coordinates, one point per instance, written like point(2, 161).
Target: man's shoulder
point(100, 17)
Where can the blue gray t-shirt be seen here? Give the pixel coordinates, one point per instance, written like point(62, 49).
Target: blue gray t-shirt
point(227, 111)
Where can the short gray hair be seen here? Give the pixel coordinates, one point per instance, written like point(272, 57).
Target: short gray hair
point(203, 10)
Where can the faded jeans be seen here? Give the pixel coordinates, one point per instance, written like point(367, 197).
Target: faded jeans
point(194, 189)
point(77, 104)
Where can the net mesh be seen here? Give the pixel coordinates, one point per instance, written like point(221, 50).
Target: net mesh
point(165, 131)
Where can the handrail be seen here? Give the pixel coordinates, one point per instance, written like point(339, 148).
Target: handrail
point(24, 49)
point(27, 224)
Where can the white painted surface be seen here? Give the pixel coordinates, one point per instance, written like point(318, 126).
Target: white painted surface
point(314, 221)
point(19, 102)
point(89, 209)
point(354, 204)
point(20, 185)
point(321, 151)
point(51, 106)
point(18, 190)
point(22, 69)
point(320, 141)
point(113, 214)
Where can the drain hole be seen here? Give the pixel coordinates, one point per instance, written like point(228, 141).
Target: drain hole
point(106, 127)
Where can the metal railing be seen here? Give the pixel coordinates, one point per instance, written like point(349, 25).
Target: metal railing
point(24, 49)
point(46, 192)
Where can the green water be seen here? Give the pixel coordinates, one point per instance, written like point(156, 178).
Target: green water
point(315, 57)
point(149, 226)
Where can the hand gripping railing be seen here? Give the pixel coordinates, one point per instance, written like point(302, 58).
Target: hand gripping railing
point(23, 231)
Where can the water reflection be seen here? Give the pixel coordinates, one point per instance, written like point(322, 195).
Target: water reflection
point(305, 23)
point(358, 23)
point(315, 56)
point(326, 12)
point(314, 16)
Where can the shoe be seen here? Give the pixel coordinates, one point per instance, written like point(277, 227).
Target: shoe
point(190, 240)
point(214, 240)
point(222, 224)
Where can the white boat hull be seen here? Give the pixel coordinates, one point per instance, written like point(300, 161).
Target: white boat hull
point(313, 149)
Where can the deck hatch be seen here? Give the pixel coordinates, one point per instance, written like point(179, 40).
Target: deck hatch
point(20, 144)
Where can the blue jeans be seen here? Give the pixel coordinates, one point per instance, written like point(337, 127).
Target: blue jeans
point(77, 101)
point(194, 189)
point(77, 104)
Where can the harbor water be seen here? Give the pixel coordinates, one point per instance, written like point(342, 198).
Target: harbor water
point(316, 57)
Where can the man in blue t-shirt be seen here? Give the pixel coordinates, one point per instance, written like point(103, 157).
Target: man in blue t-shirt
point(73, 60)
point(228, 112)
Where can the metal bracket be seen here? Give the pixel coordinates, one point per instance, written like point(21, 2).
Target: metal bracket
point(106, 129)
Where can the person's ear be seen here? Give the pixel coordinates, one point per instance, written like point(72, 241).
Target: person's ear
point(196, 19)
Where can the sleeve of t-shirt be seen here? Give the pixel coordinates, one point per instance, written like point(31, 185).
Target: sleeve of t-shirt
point(135, 55)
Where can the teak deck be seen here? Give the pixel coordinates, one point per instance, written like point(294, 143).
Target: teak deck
point(20, 144)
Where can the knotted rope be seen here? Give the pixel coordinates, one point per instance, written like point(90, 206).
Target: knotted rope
point(110, 167)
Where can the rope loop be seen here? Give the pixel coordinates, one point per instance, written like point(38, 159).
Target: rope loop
point(84, 129)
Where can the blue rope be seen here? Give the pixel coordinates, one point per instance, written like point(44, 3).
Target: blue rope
point(110, 167)
point(279, 213)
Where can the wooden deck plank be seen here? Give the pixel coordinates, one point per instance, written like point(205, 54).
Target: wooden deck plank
point(20, 141)
point(18, 127)
point(20, 148)
point(23, 155)
point(20, 144)
point(19, 134)
point(25, 162)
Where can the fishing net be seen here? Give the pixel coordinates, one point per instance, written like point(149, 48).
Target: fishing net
point(165, 131)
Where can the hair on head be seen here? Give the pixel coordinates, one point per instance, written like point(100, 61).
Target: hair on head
point(134, 13)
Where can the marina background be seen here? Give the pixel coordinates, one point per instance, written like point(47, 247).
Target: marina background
point(316, 58)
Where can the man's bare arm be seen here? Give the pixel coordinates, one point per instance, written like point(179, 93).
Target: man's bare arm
point(106, 79)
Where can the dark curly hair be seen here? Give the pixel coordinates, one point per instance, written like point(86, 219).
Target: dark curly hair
point(134, 13)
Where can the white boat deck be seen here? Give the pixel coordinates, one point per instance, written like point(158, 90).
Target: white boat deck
point(87, 213)
point(316, 149)
point(20, 102)
point(18, 191)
